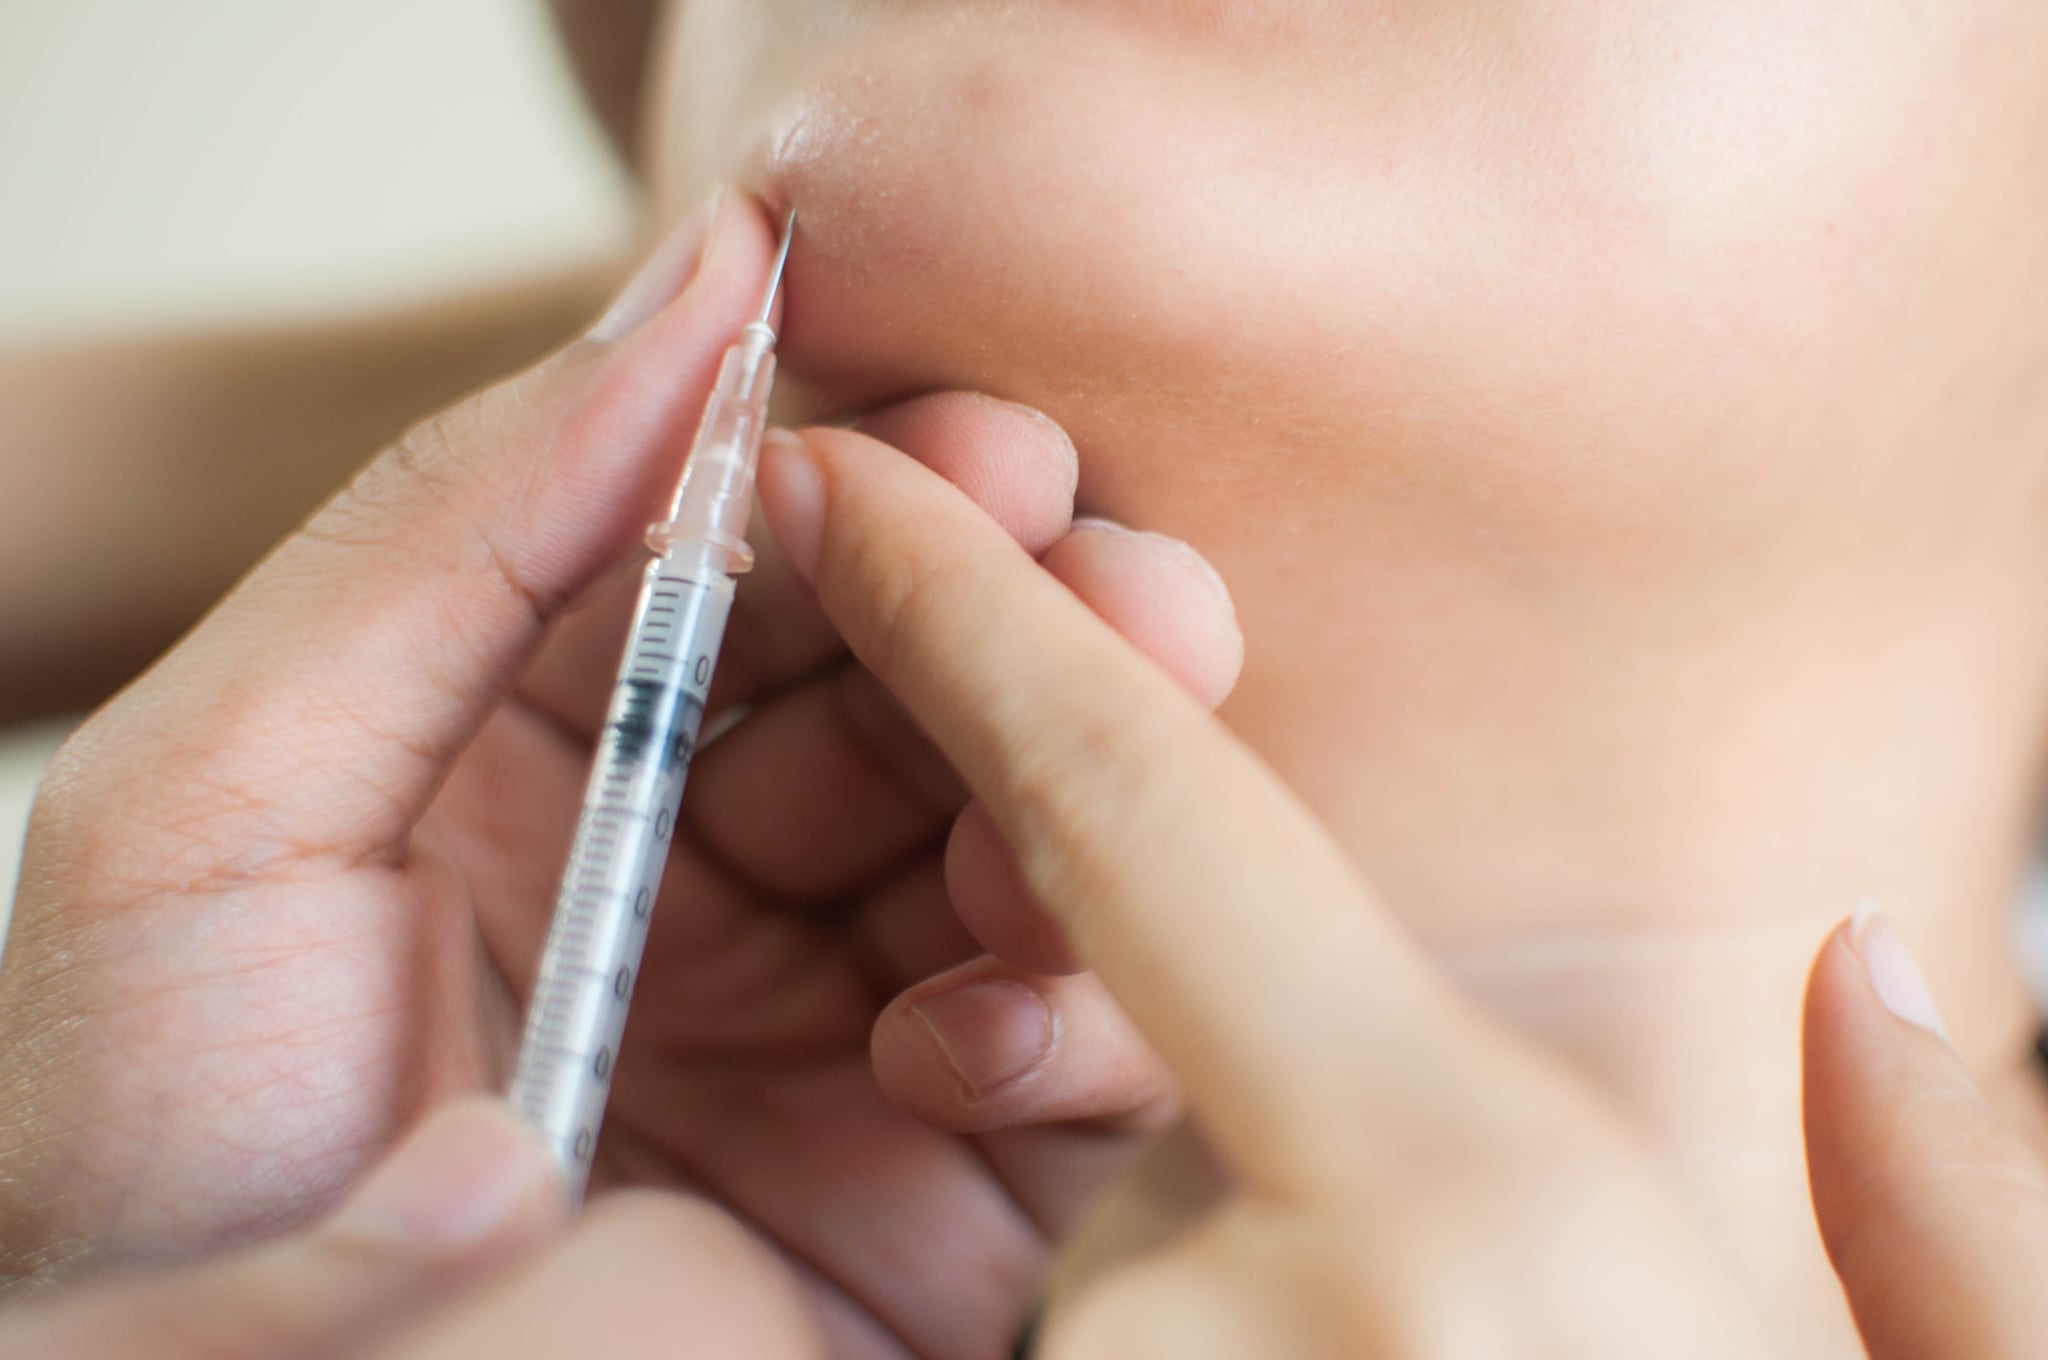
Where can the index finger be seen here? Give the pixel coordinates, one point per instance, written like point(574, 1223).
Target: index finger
point(1011, 461)
point(1221, 914)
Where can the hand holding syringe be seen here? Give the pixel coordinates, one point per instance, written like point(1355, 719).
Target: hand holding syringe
point(279, 894)
point(577, 1015)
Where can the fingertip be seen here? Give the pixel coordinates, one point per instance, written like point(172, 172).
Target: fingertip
point(1883, 1093)
point(1893, 974)
point(1015, 462)
point(987, 1046)
point(1162, 595)
point(918, 1073)
point(732, 260)
point(1830, 983)
point(677, 316)
point(651, 368)
point(1916, 1181)
point(951, 1051)
point(1865, 987)
point(663, 274)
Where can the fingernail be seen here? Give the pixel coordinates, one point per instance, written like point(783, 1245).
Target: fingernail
point(793, 491)
point(462, 1176)
point(665, 273)
point(1894, 976)
point(991, 1032)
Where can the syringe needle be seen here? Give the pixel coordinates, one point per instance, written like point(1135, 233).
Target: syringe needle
point(775, 274)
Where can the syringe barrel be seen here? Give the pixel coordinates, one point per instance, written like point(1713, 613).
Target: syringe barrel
point(631, 806)
point(709, 515)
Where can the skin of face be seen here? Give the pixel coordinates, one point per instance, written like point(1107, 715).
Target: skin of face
point(1622, 427)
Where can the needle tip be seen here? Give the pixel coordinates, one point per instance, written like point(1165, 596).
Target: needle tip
point(775, 274)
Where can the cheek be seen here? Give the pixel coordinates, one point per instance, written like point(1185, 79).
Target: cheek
point(995, 197)
point(1578, 299)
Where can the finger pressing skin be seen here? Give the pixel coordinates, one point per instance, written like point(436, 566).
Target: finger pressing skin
point(1162, 596)
point(471, 1192)
point(986, 1046)
point(1934, 1214)
point(1158, 838)
point(1171, 605)
point(645, 1275)
point(323, 701)
point(828, 784)
point(1017, 465)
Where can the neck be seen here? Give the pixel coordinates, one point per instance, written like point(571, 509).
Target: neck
point(1693, 1028)
point(1632, 849)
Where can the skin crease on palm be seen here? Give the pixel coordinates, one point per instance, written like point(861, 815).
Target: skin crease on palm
point(1620, 427)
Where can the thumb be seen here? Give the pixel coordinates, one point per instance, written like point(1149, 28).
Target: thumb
point(334, 687)
point(473, 1189)
point(1935, 1215)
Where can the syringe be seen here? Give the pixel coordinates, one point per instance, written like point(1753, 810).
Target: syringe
point(578, 1011)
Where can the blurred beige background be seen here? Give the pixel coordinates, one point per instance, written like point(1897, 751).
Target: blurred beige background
point(169, 160)
point(172, 163)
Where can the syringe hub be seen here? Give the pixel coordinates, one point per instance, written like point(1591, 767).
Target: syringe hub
point(708, 518)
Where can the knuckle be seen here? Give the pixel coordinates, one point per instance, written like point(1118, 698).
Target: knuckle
point(420, 463)
point(1085, 792)
point(902, 601)
point(450, 470)
point(70, 779)
point(361, 517)
point(425, 451)
point(98, 791)
point(882, 574)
